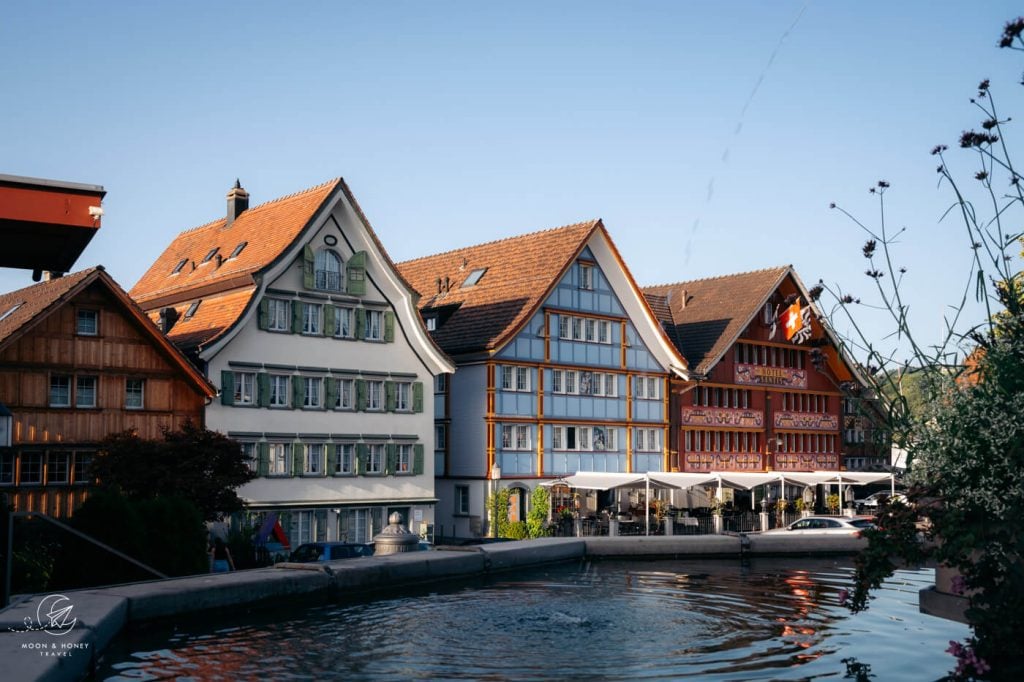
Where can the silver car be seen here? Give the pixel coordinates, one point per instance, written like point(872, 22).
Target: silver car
point(827, 525)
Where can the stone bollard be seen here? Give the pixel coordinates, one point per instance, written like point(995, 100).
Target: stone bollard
point(669, 525)
point(613, 528)
point(764, 520)
point(718, 525)
point(395, 537)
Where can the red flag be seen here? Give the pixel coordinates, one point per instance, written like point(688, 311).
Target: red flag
point(791, 320)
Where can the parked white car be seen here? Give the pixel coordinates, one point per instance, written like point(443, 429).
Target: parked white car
point(873, 500)
point(826, 525)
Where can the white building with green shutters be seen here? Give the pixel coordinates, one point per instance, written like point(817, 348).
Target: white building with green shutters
point(296, 312)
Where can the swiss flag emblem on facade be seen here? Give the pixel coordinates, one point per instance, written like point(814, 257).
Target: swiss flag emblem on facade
point(791, 320)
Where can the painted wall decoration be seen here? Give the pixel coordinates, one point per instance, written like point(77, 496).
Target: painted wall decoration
point(723, 461)
point(806, 462)
point(806, 420)
point(717, 416)
point(758, 375)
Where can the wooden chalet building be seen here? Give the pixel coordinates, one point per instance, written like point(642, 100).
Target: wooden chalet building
point(769, 388)
point(562, 367)
point(80, 361)
point(295, 311)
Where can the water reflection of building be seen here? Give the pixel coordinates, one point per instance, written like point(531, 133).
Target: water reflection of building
point(770, 389)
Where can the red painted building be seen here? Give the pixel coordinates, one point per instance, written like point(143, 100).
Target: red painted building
point(770, 388)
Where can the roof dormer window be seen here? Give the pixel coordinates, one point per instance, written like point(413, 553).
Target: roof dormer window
point(179, 266)
point(238, 250)
point(192, 309)
point(209, 256)
point(473, 278)
point(9, 311)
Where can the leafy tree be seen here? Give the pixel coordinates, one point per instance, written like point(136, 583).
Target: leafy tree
point(198, 465)
point(537, 517)
point(965, 433)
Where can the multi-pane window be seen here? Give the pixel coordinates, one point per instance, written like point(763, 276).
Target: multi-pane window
point(647, 387)
point(586, 276)
point(279, 315)
point(87, 322)
point(314, 460)
point(6, 468)
point(280, 390)
point(589, 330)
point(85, 391)
point(245, 388)
point(647, 440)
point(515, 378)
point(134, 394)
point(441, 383)
point(346, 392)
point(515, 437)
point(312, 391)
point(83, 463)
point(805, 402)
point(462, 499)
point(374, 325)
point(403, 459)
point(720, 441)
point(374, 395)
point(345, 458)
point(327, 270)
point(375, 458)
point(440, 436)
point(312, 318)
point(58, 465)
point(770, 356)
point(707, 396)
point(280, 464)
point(343, 322)
point(249, 455)
point(403, 396)
point(584, 383)
point(60, 391)
point(31, 467)
point(590, 438)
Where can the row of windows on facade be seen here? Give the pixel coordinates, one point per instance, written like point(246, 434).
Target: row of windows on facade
point(210, 255)
point(770, 356)
point(87, 321)
point(333, 459)
point(579, 382)
point(49, 468)
point(263, 389)
point(585, 329)
point(580, 438)
point(321, 319)
point(352, 524)
point(83, 391)
point(746, 441)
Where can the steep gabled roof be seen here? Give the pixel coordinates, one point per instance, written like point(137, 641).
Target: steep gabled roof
point(704, 317)
point(518, 274)
point(267, 231)
point(37, 302)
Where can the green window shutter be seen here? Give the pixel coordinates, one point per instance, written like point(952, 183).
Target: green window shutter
point(296, 317)
point(389, 326)
point(361, 395)
point(298, 459)
point(362, 453)
point(263, 465)
point(417, 459)
point(392, 458)
point(360, 323)
point(298, 391)
point(264, 314)
point(417, 396)
point(332, 459)
point(389, 396)
point(307, 266)
point(328, 320)
point(264, 389)
point(227, 387)
point(356, 268)
point(330, 393)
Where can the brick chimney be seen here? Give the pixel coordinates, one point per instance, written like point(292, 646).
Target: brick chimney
point(238, 202)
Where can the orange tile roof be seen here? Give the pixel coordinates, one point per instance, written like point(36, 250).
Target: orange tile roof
point(520, 271)
point(268, 230)
point(213, 317)
point(715, 312)
point(35, 299)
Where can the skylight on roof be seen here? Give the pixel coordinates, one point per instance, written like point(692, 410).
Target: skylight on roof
point(209, 256)
point(9, 311)
point(473, 278)
point(238, 250)
point(179, 266)
point(192, 309)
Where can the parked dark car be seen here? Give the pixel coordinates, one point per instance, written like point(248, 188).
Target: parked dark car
point(329, 551)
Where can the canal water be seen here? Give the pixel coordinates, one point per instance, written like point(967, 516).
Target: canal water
point(773, 619)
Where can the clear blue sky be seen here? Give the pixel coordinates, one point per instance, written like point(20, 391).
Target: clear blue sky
point(710, 136)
